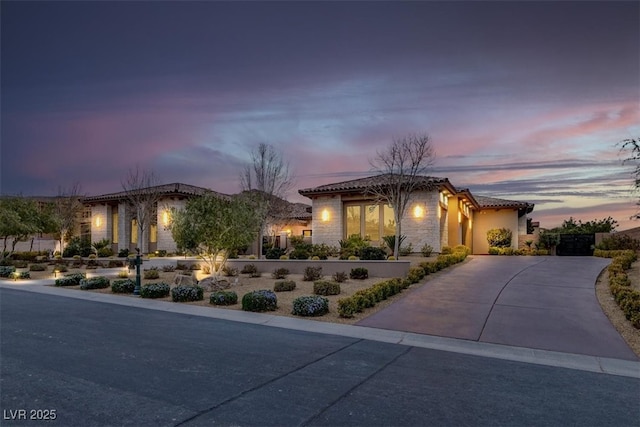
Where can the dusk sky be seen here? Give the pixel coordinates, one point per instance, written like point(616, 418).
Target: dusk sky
point(522, 100)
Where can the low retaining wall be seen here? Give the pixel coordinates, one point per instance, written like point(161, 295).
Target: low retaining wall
point(329, 267)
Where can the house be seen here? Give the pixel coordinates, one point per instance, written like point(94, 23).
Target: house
point(440, 214)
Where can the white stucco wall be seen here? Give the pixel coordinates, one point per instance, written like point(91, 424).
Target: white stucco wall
point(487, 219)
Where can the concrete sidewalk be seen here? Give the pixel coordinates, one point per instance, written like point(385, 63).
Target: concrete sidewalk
point(545, 303)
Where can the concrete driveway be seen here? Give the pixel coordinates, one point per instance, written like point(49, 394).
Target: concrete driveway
point(546, 303)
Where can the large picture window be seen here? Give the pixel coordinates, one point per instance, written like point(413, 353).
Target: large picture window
point(369, 220)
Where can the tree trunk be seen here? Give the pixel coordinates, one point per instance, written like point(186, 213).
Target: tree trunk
point(396, 249)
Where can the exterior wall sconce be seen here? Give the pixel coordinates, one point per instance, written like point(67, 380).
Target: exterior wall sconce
point(459, 218)
point(418, 212)
point(98, 221)
point(325, 215)
point(439, 211)
point(165, 218)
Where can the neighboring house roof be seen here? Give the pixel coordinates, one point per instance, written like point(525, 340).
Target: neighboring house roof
point(301, 211)
point(361, 184)
point(167, 190)
point(494, 203)
point(287, 210)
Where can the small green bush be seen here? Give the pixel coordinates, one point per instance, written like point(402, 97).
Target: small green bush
point(310, 306)
point(70, 279)
point(24, 275)
point(7, 271)
point(299, 253)
point(372, 253)
point(20, 264)
point(99, 282)
point(280, 273)
point(406, 250)
point(261, 300)
point(37, 267)
point(223, 298)
point(183, 293)
point(284, 286)
point(359, 273)
point(324, 287)
point(366, 298)
point(123, 286)
point(340, 277)
point(312, 273)
point(151, 274)
point(499, 237)
point(274, 253)
point(415, 274)
point(155, 290)
point(168, 268)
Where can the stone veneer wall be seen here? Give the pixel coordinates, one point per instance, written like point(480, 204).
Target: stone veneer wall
point(124, 227)
point(425, 230)
point(165, 240)
point(328, 232)
point(104, 230)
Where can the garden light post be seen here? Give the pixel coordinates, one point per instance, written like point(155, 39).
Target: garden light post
point(138, 261)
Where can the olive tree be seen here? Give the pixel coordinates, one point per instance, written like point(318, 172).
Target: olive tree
point(142, 194)
point(402, 167)
point(213, 226)
point(65, 212)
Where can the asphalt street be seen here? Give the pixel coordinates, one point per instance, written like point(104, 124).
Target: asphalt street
point(100, 364)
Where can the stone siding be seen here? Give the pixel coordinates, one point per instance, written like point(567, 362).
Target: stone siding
point(165, 240)
point(425, 230)
point(329, 232)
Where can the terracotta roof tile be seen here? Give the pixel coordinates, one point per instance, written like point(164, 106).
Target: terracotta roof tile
point(357, 185)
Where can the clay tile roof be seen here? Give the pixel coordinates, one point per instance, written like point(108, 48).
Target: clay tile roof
point(494, 203)
point(360, 184)
point(175, 189)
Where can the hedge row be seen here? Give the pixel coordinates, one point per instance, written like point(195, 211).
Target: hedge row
point(620, 285)
point(369, 297)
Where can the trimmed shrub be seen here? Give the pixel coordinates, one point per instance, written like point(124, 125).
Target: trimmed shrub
point(61, 268)
point(312, 273)
point(340, 277)
point(123, 286)
point(115, 263)
point(499, 237)
point(284, 257)
point(299, 253)
point(155, 290)
point(274, 253)
point(151, 274)
point(324, 287)
point(415, 274)
point(406, 250)
point(184, 293)
point(627, 298)
point(168, 268)
point(280, 273)
point(261, 300)
point(366, 298)
point(20, 264)
point(391, 258)
point(7, 270)
point(123, 253)
point(321, 251)
point(99, 282)
point(373, 253)
point(284, 286)
point(310, 306)
point(70, 279)
point(359, 273)
point(223, 298)
point(352, 258)
point(37, 267)
point(24, 275)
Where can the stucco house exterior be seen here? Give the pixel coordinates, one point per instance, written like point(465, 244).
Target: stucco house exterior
point(440, 215)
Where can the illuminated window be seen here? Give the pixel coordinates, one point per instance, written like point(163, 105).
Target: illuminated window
point(114, 227)
point(353, 220)
point(368, 220)
point(306, 233)
point(372, 222)
point(134, 231)
point(388, 221)
point(153, 233)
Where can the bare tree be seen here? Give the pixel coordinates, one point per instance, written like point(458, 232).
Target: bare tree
point(403, 167)
point(67, 208)
point(268, 177)
point(141, 192)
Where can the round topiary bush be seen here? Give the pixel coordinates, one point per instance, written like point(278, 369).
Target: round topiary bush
point(155, 290)
point(324, 287)
point(99, 282)
point(373, 253)
point(7, 271)
point(310, 306)
point(184, 293)
point(70, 279)
point(359, 273)
point(223, 298)
point(284, 286)
point(262, 300)
point(123, 286)
point(151, 274)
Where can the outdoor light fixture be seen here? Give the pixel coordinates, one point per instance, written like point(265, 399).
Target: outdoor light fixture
point(165, 217)
point(459, 218)
point(418, 212)
point(98, 221)
point(325, 215)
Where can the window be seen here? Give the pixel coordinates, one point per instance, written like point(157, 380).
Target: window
point(153, 233)
point(306, 233)
point(369, 220)
point(114, 227)
point(134, 231)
